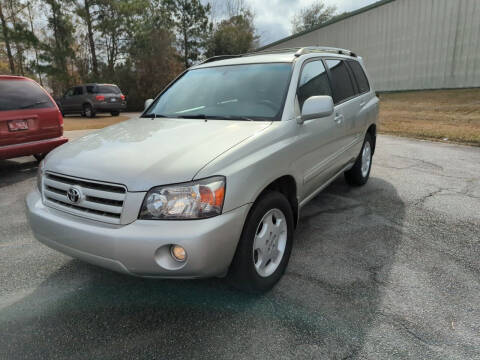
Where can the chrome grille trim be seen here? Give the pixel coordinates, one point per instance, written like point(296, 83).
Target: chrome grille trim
point(99, 201)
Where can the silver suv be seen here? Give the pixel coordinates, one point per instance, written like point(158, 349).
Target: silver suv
point(90, 99)
point(211, 179)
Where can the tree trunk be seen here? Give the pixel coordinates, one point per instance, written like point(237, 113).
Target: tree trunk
point(35, 48)
point(17, 45)
point(7, 41)
point(88, 20)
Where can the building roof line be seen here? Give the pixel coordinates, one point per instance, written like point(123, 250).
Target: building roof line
point(330, 22)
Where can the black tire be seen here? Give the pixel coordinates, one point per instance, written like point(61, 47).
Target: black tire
point(356, 176)
point(242, 272)
point(39, 157)
point(89, 111)
point(115, 113)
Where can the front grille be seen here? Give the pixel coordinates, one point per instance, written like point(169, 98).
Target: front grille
point(97, 200)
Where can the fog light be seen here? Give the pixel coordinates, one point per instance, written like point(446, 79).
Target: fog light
point(178, 253)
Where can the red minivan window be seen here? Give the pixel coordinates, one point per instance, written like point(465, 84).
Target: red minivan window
point(21, 94)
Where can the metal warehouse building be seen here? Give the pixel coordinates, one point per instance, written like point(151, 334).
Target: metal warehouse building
point(407, 44)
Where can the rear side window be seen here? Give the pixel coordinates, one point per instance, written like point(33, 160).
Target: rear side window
point(360, 76)
point(90, 89)
point(107, 89)
point(22, 94)
point(341, 81)
point(78, 90)
point(313, 82)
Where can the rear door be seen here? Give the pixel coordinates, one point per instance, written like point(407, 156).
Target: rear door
point(346, 107)
point(364, 96)
point(27, 113)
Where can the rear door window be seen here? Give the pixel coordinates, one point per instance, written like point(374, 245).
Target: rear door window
point(360, 76)
point(107, 89)
point(313, 81)
point(341, 81)
point(78, 90)
point(90, 89)
point(22, 94)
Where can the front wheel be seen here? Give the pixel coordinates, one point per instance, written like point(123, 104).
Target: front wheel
point(359, 173)
point(265, 244)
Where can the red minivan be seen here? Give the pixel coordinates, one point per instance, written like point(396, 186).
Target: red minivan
point(30, 121)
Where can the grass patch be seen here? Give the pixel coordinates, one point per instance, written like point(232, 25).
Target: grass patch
point(72, 122)
point(433, 115)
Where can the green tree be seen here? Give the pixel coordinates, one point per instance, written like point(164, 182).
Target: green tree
point(235, 35)
point(152, 60)
point(57, 49)
point(85, 12)
point(16, 34)
point(311, 16)
point(191, 21)
point(6, 38)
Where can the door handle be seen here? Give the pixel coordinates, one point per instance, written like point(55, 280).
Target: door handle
point(338, 118)
point(362, 104)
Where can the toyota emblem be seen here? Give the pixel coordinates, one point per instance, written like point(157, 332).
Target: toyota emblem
point(74, 195)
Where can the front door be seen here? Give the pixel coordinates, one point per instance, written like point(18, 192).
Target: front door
point(319, 139)
point(77, 99)
point(67, 101)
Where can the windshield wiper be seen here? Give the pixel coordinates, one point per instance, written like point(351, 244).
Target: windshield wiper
point(34, 104)
point(239, 118)
point(153, 116)
point(195, 116)
point(214, 117)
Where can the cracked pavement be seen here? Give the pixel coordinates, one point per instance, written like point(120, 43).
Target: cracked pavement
point(389, 270)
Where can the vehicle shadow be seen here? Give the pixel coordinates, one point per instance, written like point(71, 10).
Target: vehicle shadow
point(324, 307)
point(14, 171)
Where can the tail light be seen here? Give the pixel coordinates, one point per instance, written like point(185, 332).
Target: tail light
point(100, 98)
point(122, 97)
point(60, 121)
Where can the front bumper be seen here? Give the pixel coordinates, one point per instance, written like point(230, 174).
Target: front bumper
point(142, 247)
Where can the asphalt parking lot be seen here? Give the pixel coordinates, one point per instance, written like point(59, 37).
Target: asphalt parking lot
point(389, 270)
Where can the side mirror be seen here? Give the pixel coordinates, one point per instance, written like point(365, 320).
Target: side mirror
point(316, 107)
point(148, 102)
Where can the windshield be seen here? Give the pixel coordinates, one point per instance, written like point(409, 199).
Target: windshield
point(239, 92)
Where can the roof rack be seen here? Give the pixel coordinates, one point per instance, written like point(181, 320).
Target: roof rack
point(314, 49)
point(220, 57)
point(299, 51)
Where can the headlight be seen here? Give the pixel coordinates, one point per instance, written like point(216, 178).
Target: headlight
point(193, 200)
point(40, 175)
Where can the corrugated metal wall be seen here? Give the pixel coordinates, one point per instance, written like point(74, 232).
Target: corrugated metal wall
point(410, 44)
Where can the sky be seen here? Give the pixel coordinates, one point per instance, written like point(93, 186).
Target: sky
point(273, 17)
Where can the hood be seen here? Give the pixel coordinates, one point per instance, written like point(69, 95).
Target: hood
point(143, 153)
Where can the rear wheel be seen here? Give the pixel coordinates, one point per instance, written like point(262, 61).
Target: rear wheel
point(39, 157)
point(115, 113)
point(88, 111)
point(265, 244)
point(359, 173)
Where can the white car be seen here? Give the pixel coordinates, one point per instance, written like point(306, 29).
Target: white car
point(211, 179)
